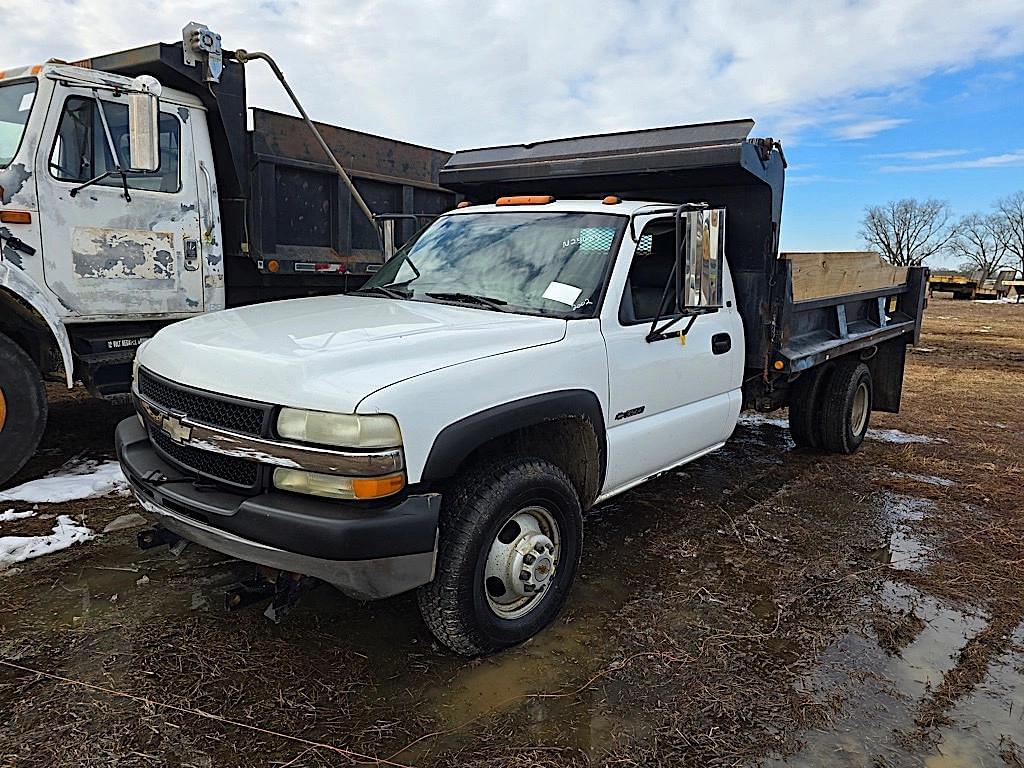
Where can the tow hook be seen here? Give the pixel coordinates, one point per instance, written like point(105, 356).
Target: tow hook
point(282, 587)
point(157, 537)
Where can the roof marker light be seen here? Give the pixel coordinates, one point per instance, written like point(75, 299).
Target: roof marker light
point(526, 200)
point(612, 200)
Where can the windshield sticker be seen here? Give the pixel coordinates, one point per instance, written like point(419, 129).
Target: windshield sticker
point(26, 102)
point(562, 293)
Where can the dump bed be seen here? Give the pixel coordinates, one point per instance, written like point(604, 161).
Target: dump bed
point(790, 326)
point(287, 218)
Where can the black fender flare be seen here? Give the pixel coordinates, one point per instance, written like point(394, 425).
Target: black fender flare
point(459, 439)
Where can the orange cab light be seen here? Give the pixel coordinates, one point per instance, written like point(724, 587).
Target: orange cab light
point(36, 69)
point(526, 200)
point(376, 487)
point(612, 200)
point(15, 217)
point(464, 204)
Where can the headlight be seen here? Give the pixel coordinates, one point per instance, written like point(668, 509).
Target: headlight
point(337, 487)
point(346, 430)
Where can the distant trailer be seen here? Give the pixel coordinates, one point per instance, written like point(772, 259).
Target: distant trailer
point(961, 286)
point(1015, 287)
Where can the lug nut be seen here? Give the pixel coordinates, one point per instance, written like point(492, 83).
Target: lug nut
point(529, 588)
point(530, 559)
point(524, 575)
point(539, 546)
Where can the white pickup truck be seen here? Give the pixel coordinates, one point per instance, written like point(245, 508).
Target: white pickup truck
point(446, 426)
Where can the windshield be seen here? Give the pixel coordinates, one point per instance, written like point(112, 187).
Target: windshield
point(15, 106)
point(544, 263)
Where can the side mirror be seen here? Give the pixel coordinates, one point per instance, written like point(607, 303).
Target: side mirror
point(144, 125)
point(700, 243)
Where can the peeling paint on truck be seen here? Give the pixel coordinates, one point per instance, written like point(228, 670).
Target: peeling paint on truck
point(123, 253)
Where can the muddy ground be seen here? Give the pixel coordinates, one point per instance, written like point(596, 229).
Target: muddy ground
point(763, 605)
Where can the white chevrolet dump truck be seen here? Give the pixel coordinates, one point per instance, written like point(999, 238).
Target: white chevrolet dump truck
point(597, 311)
point(133, 195)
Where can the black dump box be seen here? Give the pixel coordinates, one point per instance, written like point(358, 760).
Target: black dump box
point(797, 311)
point(286, 215)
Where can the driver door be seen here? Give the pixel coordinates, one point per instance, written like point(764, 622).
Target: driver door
point(668, 400)
point(105, 255)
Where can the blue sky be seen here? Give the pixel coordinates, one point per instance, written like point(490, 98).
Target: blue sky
point(962, 141)
point(873, 99)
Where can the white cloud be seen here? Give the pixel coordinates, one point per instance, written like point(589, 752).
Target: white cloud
point(865, 129)
point(463, 73)
point(1004, 160)
point(921, 154)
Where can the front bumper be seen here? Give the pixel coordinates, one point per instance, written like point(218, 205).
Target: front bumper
point(366, 551)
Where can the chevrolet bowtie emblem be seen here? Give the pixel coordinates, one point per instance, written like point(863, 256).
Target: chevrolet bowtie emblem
point(177, 431)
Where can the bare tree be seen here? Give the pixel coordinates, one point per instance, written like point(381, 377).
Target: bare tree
point(981, 241)
point(906, 232)
point(1011, 210)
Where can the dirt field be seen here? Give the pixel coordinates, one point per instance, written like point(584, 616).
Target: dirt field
point(761, 606)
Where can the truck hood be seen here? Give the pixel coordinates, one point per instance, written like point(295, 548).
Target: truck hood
point(328, 353)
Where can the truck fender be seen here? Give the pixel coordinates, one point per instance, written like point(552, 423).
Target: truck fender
point(461, 438)
point(24, 287)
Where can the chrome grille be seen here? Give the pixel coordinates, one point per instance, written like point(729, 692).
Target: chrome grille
point(227, 413)
point(217, 466)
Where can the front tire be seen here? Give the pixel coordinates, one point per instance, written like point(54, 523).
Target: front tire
point(511, 538)
point(23, 408)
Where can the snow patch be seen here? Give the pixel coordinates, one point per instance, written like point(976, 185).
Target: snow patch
point(760, 420)
point(881, 435)
point(10, 514)
point(901, 438)
point(75, 480)
point(15, 549)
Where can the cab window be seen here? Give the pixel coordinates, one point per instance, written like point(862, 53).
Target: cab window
point(15, 106)
point(649, 273)
point(81, 151)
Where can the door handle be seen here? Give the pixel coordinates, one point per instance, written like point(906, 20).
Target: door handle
point(721, 343)
point(191, 254)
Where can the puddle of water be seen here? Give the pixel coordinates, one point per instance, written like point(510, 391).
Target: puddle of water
point(904, 551)
point(881, 693)
point(990, 719)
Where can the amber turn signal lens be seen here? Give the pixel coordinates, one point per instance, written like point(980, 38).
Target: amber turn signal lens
point(273, 266)
point(779, 365)
point(376, 487)
point(15, 217)
point(612, 200)
point(526, 200)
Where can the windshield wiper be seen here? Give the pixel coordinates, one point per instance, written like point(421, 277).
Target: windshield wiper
point(391, 293)
point(471, 298)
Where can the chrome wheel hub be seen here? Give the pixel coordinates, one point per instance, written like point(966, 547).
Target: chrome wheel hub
point(521, 562)
point(860, 410)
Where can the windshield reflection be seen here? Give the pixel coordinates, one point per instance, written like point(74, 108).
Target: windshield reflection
point(533, 262)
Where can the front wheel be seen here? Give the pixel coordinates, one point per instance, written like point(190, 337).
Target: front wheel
point(511, 537)
point(22, 408)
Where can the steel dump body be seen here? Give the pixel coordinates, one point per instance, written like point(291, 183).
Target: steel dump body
point(717, 164)
point(281, 199)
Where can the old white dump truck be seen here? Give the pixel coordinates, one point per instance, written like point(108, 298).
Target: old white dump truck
point(132, 195)
point(595, 313)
